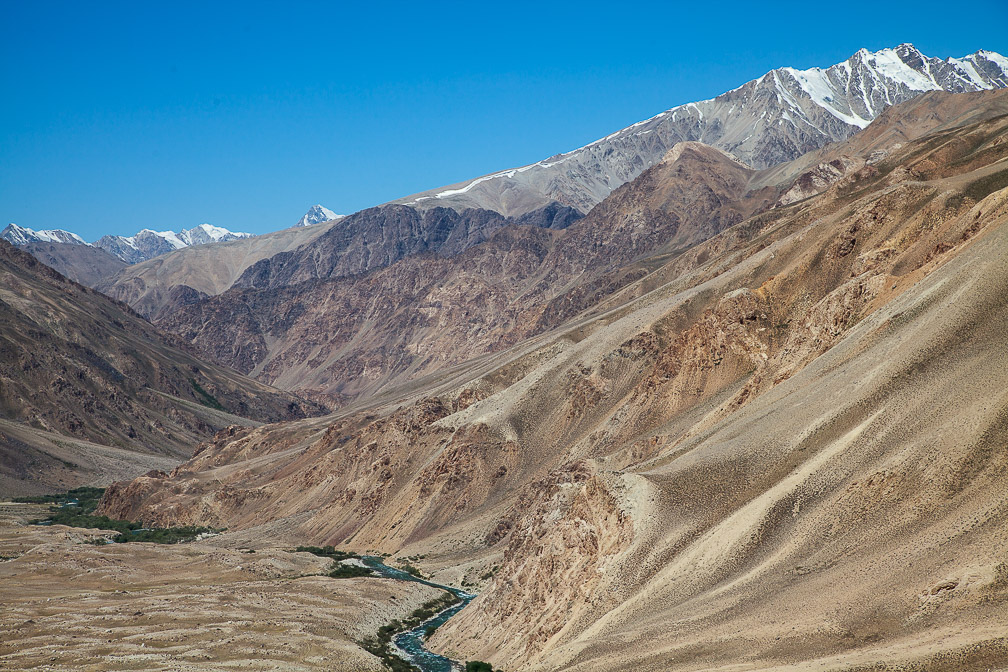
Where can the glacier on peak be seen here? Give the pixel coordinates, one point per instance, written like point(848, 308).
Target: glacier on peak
point(147, 243)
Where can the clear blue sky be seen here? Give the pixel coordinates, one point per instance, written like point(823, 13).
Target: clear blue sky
point(121, 116)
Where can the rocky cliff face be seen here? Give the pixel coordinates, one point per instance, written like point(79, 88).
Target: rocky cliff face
point(781, 443)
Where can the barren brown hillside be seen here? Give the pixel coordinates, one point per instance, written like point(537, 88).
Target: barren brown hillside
point(90, 391)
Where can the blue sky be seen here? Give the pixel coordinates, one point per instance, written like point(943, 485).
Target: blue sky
point(121, 116)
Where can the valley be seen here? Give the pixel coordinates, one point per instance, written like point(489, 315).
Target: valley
point(734, 432)
point(724, 390)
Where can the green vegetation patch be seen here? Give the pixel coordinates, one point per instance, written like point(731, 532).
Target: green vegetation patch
point(478, 666)
point(163, 535)
point(981, 188)
point(341, 571)
point(338, 570)
point(86, 499)
point(206, 398)
point(76, 507)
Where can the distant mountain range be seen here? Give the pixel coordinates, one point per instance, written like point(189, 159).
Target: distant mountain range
point(767, 121)
point(147, 243)
point(141, 246)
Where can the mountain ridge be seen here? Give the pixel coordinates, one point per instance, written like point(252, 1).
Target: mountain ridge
point(777, 117)
point(147, 243)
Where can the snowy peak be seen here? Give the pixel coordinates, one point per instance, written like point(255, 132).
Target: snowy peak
point(147, 243)
point(858, 89)
point(318, 214)
point(21, 236)
point(208, 233)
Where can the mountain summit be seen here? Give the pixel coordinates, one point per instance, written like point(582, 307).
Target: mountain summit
point(766, 121)
point(318, 214)
point(21, 236)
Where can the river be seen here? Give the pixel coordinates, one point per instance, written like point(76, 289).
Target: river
point(410, 644)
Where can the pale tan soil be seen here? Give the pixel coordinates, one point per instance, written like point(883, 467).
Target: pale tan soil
point(69, 605)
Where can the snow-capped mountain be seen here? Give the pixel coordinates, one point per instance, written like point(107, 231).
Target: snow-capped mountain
point(148, 244)
point(21, 236)
point(318, 214)
point(207, 233)
point(775, 118)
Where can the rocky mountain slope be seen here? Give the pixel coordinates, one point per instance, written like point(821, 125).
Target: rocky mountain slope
point(79, 365)
point(355, 335)
point(777, 441)
point(377, 237)
point(775, 118)
point(86, 264)
point(367, 240)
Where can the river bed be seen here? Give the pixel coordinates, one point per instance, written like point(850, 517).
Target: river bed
point(410, 644)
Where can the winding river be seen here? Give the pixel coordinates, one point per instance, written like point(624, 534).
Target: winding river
point(410, 643)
